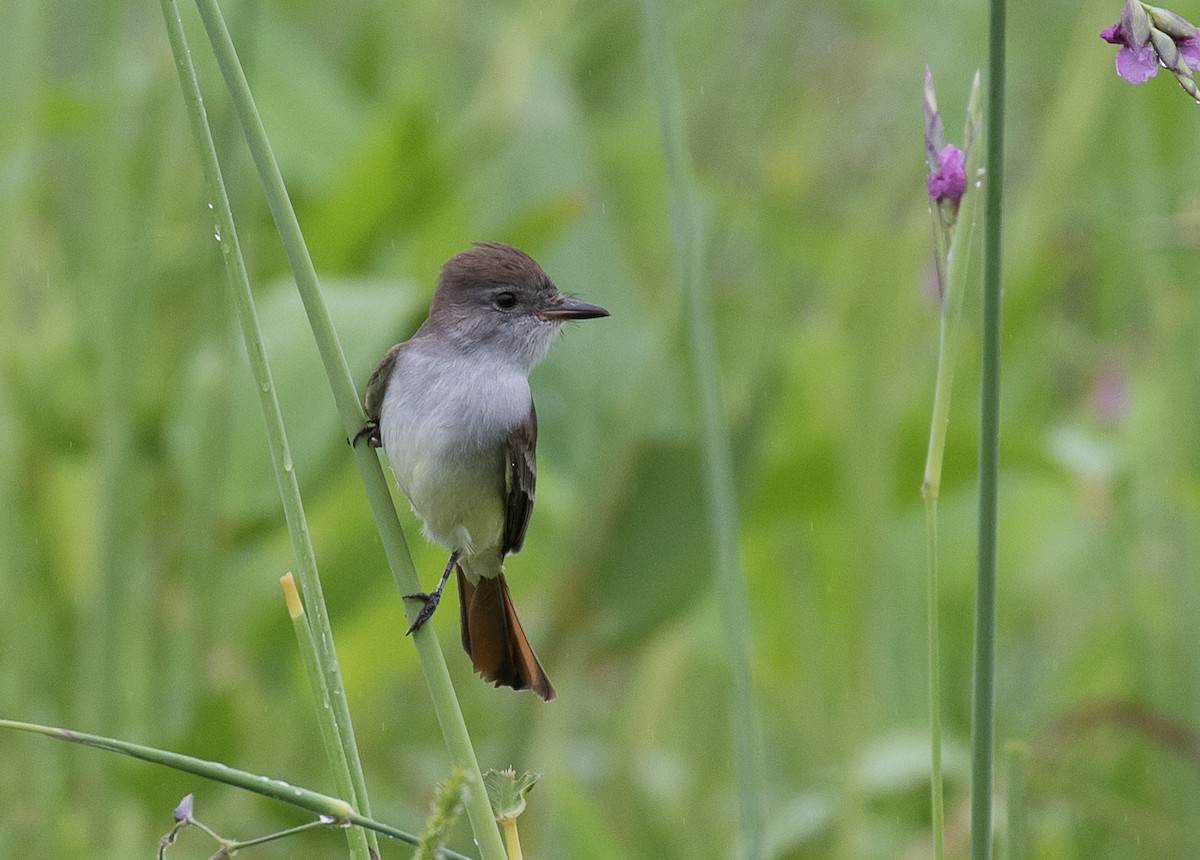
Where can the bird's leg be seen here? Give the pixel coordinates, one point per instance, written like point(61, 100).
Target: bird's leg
point(431, 600)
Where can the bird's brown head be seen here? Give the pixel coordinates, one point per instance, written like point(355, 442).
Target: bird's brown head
point(495, 295)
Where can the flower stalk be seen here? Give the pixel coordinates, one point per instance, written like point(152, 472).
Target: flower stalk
point(948, 191)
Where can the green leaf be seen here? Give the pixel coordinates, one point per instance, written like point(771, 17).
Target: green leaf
point(507, 791)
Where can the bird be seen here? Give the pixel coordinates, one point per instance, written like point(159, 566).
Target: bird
point(453, 411)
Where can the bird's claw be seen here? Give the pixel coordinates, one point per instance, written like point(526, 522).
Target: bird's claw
point(371, 431)
point(431, 603)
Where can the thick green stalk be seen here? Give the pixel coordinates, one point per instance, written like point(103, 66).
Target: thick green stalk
point(953, 268)
point(433, 661)
point(687, 235)
point(340, 812)
point(984, 669)
point(333, 715)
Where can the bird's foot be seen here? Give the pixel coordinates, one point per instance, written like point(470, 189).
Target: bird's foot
point(430, 600)
point(371, 431)
point(431, 603)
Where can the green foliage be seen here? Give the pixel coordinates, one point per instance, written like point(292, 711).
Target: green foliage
point(140, 539)
point(507, 791)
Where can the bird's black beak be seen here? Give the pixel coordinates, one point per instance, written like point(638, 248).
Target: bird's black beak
point(568, 308)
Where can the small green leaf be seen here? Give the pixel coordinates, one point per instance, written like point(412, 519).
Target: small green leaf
point(507, 791)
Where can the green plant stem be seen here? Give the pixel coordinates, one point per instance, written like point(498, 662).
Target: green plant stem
point(310, 658)
point(339, 811)
point(333, 714)
point(930, 488)
point(687, 235)
point(429, 652)
point(937, 805)
point(984, 670)
point(238, 845)
point(512, 839)
point(953, 268)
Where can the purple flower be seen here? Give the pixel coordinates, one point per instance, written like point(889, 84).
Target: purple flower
point(950, 179)
point(1190, 48)
point(1151, 37)
point(1135, 63)
point(184, 810)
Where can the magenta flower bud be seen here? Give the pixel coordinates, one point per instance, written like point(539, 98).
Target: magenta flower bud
point(949, 181)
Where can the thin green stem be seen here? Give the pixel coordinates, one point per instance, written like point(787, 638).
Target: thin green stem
point(273, 837)
point(937, 805)
point(310, 658)
point(984, 670)
point(953, 268)
point(338, 811)
point(333, 715)
point(687, 235)
point(429, 652)
point(217, 837)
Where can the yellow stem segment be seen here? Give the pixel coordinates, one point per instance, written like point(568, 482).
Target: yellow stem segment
point(512, 842)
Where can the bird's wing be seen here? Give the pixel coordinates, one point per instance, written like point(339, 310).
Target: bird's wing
point(373, 398)
point(520, 474)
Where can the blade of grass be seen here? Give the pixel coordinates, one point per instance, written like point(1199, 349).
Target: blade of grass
point(687, 233)
point(339, 811)
point(429, 652)
point(984, 662)
point(310, 657)
point(337, 731)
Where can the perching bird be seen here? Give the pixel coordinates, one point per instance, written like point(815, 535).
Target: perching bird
point(453, 411)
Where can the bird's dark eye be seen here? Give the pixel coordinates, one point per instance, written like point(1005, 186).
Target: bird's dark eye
point(506, 301)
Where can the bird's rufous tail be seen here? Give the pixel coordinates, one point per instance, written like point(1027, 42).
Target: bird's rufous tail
point(493, 638)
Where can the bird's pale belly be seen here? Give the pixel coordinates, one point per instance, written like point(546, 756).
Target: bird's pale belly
point(451, 492)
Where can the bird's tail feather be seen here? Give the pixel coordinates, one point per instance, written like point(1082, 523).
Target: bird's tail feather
point(493, 638)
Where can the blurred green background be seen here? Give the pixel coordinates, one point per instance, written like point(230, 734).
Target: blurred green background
point(141, 537)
